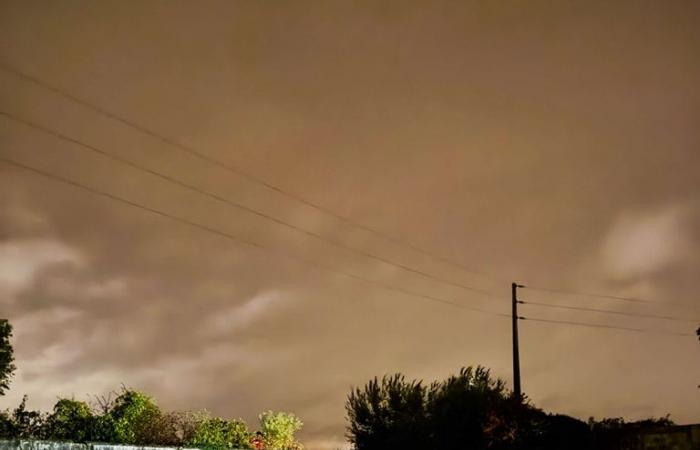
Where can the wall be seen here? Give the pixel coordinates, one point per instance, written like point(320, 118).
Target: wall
point(47, 445)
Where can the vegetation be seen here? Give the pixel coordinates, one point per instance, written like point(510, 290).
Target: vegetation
point(469, 410)
point(134, 418)
point(131, 417)
point(278, 428)
point(7, 367)
point(617, 434)
point(213, 432)
point(70, 420)
point(22, 423)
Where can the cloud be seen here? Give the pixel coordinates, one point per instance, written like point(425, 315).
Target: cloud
point(222, 322)
point(450, 129)
point(643, 243)
point(21, 260)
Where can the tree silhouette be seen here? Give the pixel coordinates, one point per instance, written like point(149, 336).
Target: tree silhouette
point(7, 367)
point(468, 410)
point(388, 413)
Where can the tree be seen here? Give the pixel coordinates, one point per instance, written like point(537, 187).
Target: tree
point(469, 410)
point(7, 367)
point(278, 428)
point(27, 424)
point(387, 413)
point(131, 413)
point(71, 420)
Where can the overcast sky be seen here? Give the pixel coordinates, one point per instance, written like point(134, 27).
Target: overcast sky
point(551, 143)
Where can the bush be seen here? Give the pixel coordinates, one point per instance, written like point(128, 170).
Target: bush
point(131, 414)
point(279, 428)
point(216, 433)
point(71, 420)
point(6, 426)
point(160, 429)
point(104, 429)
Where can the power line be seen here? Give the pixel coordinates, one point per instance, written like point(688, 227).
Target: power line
point(597, 325)
point(605, 311)
point(315, 264)
point(229, 202)
point(590, 294)
point(237, 171)
point(257, 180)
point(232, 237)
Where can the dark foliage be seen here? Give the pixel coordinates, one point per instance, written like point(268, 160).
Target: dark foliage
point(388, 414)
point(470, 410)
point(467, 411)
point(616, 434)
point(7, 367)
point(22, 423)
point(71, 420)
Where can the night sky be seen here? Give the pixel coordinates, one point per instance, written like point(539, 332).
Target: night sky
point(555, 144)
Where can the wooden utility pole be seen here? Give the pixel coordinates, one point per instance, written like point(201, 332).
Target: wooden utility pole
point(516, 347)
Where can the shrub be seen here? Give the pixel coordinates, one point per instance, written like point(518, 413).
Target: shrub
point(131, 414)
point(71, 420)
point(6, 428)
point(104, 429)
point(216, 433)
point(157, 428)
point(279, 428)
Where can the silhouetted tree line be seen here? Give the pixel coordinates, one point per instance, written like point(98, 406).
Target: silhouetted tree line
point(470, 410)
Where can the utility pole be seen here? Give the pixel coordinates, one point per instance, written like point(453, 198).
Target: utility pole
point(516, 347)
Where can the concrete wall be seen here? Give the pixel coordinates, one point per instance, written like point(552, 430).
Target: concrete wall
point(48, 445)
point(39, 445)
point(671, 438)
